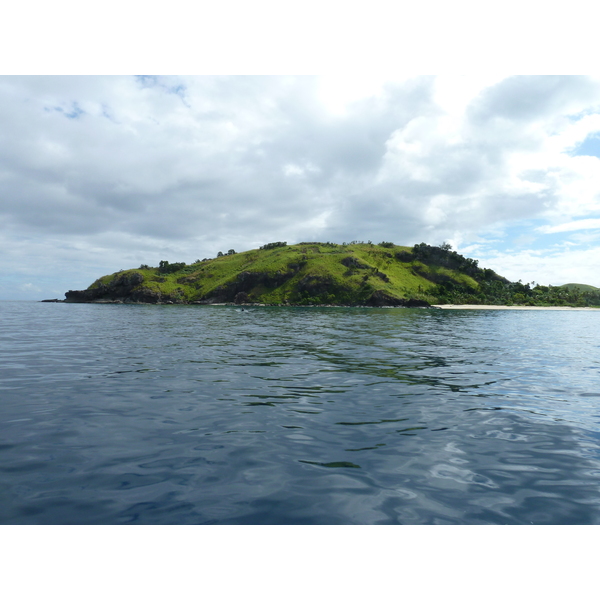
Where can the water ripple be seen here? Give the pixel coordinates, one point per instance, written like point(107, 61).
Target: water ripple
point(183, 414)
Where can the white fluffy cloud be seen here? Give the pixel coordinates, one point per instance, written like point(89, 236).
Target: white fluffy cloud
point(554, 267)
point(101, 173)
point(572, 226)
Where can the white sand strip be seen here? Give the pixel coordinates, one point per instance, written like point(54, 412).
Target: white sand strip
point(501, 307)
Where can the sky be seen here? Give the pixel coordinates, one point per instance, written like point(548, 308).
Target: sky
point(101, 173)
point(312, 121)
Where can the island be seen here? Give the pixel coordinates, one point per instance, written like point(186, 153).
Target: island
point(328, 274)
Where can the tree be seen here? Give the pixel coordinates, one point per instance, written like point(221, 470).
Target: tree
point(230, 252)
point(165, 267)
point(272, 245)
point(219, 254)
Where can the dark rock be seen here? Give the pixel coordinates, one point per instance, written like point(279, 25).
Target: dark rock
point(354, 263)
point(380, 298)
point(295, 267)
point(433, 276)
point(127, 280)
point(404, 256)
point(146, 296)
point(415, 303)
point(316, 285)
point(245, 282)
point(124, 287)
point(85, 295)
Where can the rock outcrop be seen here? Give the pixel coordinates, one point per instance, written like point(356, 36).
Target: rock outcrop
point(125, 287)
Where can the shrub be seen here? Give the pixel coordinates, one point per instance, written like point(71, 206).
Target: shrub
point(165, 267)
point(272, 245)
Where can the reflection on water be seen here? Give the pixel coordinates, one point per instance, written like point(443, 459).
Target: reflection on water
point(185, 414)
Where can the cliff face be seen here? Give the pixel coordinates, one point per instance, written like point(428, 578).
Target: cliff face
point(303, 274)
point(123, 287)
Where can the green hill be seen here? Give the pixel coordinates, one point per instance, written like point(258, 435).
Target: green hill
point(301, 274)
point(580, 286)
point(318, 273)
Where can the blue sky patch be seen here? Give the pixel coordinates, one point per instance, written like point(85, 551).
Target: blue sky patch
point(525, 236)
point(589, 147)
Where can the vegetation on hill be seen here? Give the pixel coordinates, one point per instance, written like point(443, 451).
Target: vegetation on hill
point(313, 273)
point(582, 287)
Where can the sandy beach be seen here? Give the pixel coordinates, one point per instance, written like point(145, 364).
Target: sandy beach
point(503, 307)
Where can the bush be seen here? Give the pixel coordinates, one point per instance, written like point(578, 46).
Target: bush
point(273, 245)
point(165, 267)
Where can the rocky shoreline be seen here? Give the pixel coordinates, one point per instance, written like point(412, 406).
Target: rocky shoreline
point(406, 304)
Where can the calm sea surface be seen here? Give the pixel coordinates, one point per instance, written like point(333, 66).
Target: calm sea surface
point(116, 414)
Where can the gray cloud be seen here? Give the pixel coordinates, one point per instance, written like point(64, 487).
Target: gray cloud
point(122, 169)
point(529, 98)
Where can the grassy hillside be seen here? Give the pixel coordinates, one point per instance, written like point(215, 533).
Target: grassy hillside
point(320, 273)
point(582, 287)
point(306, 273)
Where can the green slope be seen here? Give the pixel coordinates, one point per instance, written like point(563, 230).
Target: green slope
point(325, 273)
point(306, 273)
point(582, 287)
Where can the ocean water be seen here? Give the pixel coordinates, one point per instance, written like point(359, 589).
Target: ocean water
point(138, 414)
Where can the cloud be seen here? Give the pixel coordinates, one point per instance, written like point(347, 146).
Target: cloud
point(555, 267)
point(530, 99)
point(102, 171)
point(572, 226)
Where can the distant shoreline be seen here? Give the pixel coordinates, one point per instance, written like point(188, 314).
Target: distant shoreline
point(259, 304)
point(504, 307)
